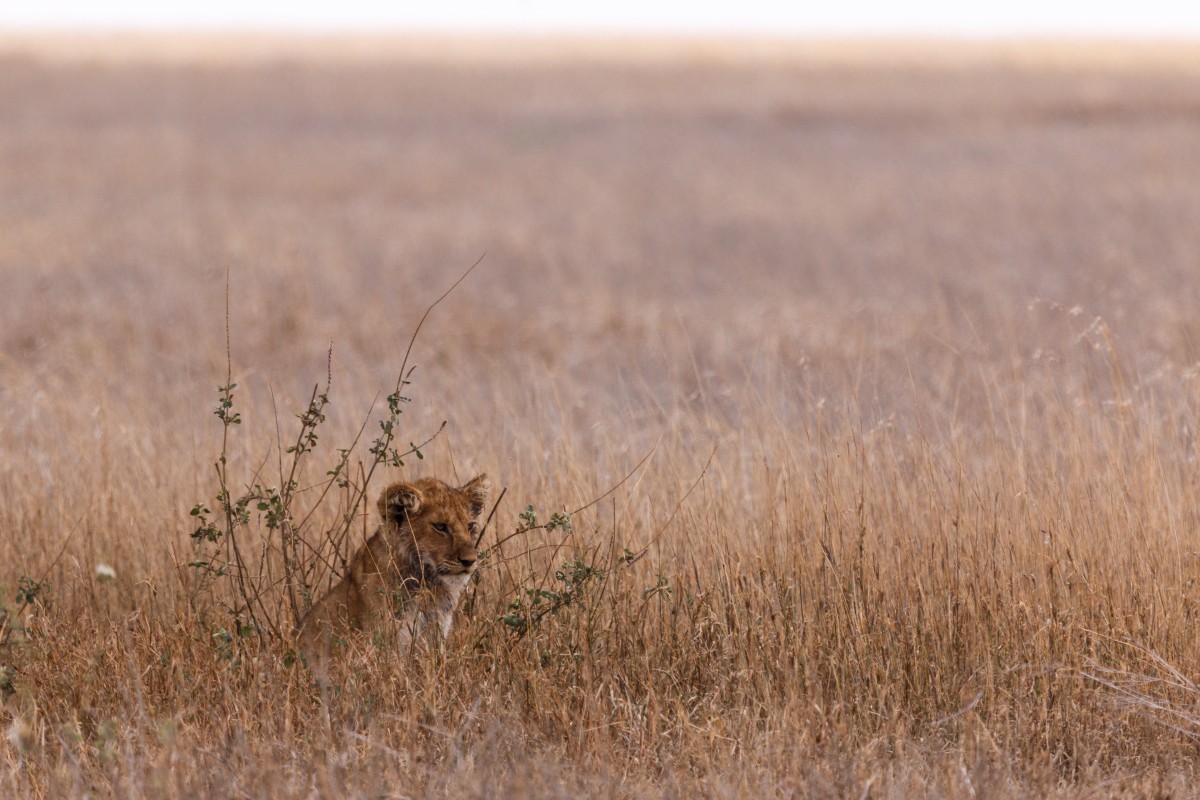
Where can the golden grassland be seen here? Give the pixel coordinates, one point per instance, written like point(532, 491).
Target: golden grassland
point(907, 351)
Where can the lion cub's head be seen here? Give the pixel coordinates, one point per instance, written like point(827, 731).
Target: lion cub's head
point(437, 522)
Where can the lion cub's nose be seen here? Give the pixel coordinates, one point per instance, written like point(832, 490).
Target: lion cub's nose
point(466, 562)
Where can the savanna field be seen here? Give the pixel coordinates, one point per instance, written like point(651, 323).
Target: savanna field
point(868, 380)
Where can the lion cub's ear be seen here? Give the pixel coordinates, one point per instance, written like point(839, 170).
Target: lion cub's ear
point(477, 490)
point(398, 501)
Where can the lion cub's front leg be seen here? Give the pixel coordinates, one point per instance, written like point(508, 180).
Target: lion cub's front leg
point(326, 625)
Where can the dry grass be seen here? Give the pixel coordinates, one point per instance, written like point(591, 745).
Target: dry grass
point(937, 324)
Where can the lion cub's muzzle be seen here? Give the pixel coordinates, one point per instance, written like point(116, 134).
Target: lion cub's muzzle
point(462, 564)
point(465, 564)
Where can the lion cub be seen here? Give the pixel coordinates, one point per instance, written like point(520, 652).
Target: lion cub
point(413, 568)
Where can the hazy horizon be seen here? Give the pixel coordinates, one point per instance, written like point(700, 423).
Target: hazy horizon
point(755, 17)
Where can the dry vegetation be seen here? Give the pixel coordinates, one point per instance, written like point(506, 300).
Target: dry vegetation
point(935, 325)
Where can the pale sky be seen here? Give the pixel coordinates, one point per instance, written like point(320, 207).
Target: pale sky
point(1108, 18)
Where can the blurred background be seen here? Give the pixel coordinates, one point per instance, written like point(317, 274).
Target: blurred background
point(677, 202)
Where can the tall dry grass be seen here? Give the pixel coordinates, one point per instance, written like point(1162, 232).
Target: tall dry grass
point(913, 351)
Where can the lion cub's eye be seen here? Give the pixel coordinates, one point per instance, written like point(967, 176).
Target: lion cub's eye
point(441, 527)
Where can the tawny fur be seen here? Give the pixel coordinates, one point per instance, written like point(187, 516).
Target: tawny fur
point(412, 569)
